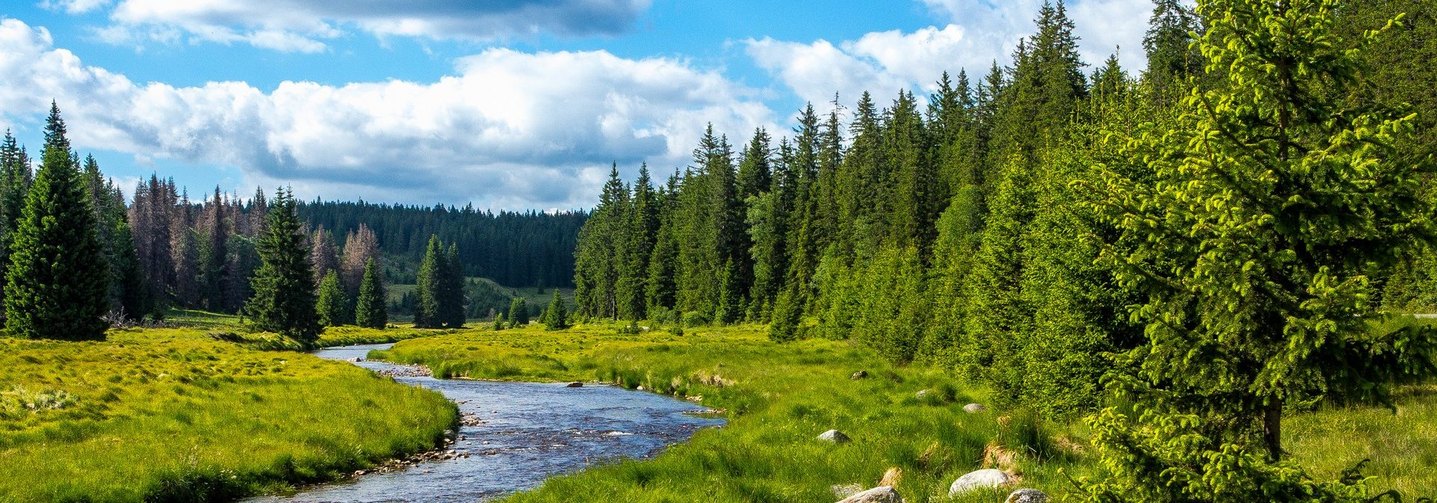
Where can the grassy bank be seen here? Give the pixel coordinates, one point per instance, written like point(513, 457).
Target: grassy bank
point(172, 414)
point(777, 398)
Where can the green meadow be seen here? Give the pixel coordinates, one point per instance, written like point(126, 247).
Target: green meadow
point(179, 415)
point(778, 397)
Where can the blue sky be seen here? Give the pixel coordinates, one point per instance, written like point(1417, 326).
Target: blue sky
point(508, 104)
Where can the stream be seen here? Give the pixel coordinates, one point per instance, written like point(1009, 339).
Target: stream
point(525, 433)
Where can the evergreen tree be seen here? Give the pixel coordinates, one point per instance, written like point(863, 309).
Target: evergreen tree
point(555, 316)
point(1248, 239)
point(451, 287)
point(15, 181)
point(371, 309)
point(283, 299)
point(333, 303)
point(428, 289)
point(57, 281)
point(214, 256)
point(518, 312)
point(498, 322)
point(1168, 42)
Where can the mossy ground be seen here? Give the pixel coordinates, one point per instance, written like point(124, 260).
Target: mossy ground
point(778, 397)
point(176, 415)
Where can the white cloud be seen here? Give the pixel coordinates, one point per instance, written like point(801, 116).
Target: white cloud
point(305, 25)
point(73, 6)
point(978, 33)
point(508, 129)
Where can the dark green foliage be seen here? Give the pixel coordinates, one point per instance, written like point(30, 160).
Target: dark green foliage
point(439, 288)
point(499, 322)
point(57, 282)
point(556, 316)
point(283, 299)
point(518, 312)
point(451, 290)
point(333, 302)
point(370, 310)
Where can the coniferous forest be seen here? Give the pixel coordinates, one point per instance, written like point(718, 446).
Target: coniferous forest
point(1141, 279)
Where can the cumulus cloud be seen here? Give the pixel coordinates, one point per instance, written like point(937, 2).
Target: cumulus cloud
point(305, 25)
point(507, 130)
point(978, 34)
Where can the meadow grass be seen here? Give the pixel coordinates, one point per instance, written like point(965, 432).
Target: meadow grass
point(175, 415)
point(777, 399)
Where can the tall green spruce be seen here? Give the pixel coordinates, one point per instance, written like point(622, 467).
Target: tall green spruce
point(370, 308)
point(332, 303)
point(518, 312)
point(1252, 236)
point(556, 316)
point(57, 283)
point(440, 287)
point(284, 290)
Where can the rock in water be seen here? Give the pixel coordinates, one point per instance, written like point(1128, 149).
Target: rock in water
point(974, 408)
point(1027, 496)
point(979, 479)
point(834, 436)
point(880, 494)
point(859, 375)
point(575, 385)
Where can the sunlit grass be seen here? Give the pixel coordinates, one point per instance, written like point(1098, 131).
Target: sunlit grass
point(172, 414)
point(777, 398)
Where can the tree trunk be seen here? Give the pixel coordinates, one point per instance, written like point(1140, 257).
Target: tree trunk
point(1272, 429)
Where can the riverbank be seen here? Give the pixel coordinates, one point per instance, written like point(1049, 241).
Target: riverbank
point(779, 398)
point(174, 414)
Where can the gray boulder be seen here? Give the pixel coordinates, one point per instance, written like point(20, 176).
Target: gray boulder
point(981, 479)
point(834, 436)
point(880, 494)
point(974, 408)
point(859, 375)
point(575, 384)
point(1027, 496)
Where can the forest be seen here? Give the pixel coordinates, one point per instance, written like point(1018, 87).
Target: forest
point(1187, 250)
point(1174, 262)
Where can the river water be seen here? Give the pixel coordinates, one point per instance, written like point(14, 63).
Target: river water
point(526, 433)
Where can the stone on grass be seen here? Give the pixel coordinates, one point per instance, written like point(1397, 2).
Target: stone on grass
point(834, 436)
point(922, 394)
point(845, 490)
point(1027, 496)
point(880, 494)
point(974, 408)
point(980, 479)
point(859, 375)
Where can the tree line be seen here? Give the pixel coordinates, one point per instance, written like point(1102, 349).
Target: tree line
point(1187, 252)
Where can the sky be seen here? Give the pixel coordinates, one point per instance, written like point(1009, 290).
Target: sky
point(503, 104)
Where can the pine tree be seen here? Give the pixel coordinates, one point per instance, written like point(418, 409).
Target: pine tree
point(283, 299)
point(371, 308)
point(556, 316)
point(323, 253)
point(15, 181)
point(333, 303)
point(214, 256)
point(518, 312)
point(428, 288)
point(498, 322)
point(57, 281)
point(360, 246)
point(1171, 59)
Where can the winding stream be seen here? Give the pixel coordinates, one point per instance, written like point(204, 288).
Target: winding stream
point(526, 432)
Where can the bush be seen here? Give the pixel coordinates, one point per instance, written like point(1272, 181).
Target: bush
point(696, 319)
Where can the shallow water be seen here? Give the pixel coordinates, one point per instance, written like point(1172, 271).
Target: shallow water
point(527, 432)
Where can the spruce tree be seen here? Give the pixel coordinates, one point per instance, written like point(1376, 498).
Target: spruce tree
point(428, 289)
point(451, 290)
point(498, 322)
point(371, 309)
point(518, 312)
point(333, 303)
point(1250, 229)
point(283, 299)
point(556, 316)
point(57, 282)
